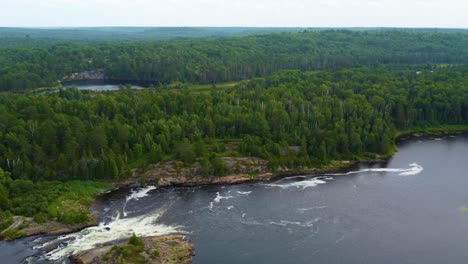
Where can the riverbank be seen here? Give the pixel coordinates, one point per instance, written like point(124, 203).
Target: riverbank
point(335, 166)
point(27, 226)
point(252, 170)
point(167, 175)
point(51, 208)
point(173, 176)
point(417, 132)
point(212, 229)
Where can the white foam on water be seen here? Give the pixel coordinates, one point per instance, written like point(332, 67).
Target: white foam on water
point(285, 223)
point(252, 222)
point(324, 178)
point(118, 229)
point(285, 183)
point(313, 182)
point(282, 223)
point(140, 193)
point(226, 196)
point(136, 195)
point(310, 223)
point(230, 207)
point(311, 208)
point(413, 170)
point(293, 177)
point(219, 197)
point(339, 240)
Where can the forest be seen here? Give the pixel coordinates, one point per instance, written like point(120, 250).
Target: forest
point(220, 59)
point(301, 100)
point(292, 118)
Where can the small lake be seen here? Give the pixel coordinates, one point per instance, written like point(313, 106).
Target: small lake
point(98, 85)
point(409, 210)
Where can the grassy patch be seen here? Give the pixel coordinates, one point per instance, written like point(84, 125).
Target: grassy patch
point(66, 202)
point(12, 233)
point(204, 87)
point(128, 253)
point(6, 220)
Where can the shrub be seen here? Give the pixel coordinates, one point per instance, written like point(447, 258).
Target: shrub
point(136, 241)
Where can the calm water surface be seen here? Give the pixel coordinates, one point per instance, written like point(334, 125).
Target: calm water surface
point(408, 211)
point(98, 86)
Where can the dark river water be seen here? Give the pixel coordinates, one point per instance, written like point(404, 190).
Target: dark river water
point(410, 210)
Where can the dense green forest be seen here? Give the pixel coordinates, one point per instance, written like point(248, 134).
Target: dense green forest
point(291, 118)
point(302, 100)
point(220, 59)
point(48, 36)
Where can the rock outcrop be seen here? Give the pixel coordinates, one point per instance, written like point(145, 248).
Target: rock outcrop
point(26, 226)
point(175, 173)
point(161, 250)
point(86, 75)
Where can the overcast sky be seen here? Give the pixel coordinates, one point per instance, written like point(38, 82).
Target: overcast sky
point(304, 13)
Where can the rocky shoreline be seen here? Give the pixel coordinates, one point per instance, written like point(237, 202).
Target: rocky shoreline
point(27, 227)
point(165, 175)
point(169, 249)
point(175, 174)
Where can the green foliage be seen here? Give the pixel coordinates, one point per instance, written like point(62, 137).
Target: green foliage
point(212, 166)
point(136, 241)
point(4, 177)
point(291, 118)
point(73, 216)
point(54, 146)
point(4, 200)
point(11, 234)
point(128, 253)
point(41, 218)
point(214, 60)
point(64, 202)
point(6, 220)
point(155, 254)
point(184, 152)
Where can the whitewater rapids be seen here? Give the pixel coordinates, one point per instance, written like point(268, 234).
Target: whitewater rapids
point(307, 182)
point(117, 229)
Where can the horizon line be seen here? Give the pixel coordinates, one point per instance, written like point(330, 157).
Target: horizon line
point(292, 27)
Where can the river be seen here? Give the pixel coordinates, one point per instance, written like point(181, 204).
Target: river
point(409, 210)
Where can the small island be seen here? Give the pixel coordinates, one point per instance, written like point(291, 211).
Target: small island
point(174, 249)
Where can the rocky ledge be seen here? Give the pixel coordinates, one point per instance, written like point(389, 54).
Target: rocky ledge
point(26, 226)
point(86, 75)
point(176, 173)
point(241, 170)
point(162, 250)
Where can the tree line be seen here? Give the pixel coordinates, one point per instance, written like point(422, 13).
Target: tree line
point(74, 134)
point(214, 60)
point(291, 118)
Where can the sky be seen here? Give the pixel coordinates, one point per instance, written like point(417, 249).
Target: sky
point(251, 13)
